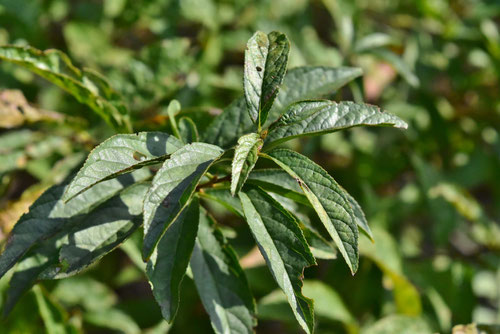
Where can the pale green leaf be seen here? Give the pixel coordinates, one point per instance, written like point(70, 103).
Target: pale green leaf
point(49, 215)
point(173, 186)
point(87, 87)
point(245, 157)
point(398, 324)
point(168, 263)
point(277, 232)
point(221, 282)
point(266, 59)
point(385, 254)
point(84, 240)
point(308, 118)
point(299, 84)
point(121, 154)
point(326, 197)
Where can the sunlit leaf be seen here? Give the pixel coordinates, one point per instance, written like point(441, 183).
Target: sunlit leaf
point(121, 154)
point(276, 232)
point(308, 118)
point(266, 59)
point(173, 186)
point(326, 197)
point(245, 157)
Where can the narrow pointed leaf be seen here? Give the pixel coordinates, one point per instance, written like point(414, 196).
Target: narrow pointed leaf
point(168, 264)
point(300, 83)
point(309, 118)
point(284, 248)
point(172, 188)
point(87, 87)
point(326, 197)
point(83, 241)
point(121, 154)
point(266, 58)
point(359, 215)
point(221, 282)
point(245, 157)
point(49, 215)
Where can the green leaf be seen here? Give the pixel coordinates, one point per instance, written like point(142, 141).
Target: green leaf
point(113, 319)
point(87, 87)
point(223, 196)
point(319, 246)
point(311, 82)
point(49, 215)
point(398, 324)
point(188, 130)
point(385, 254)
point(85, 240)
point(359, 215)
point(53, 315)
point(121, 154)
point(277, 233)
point(278, 181)
point(299, 84)
point(326, 197)
point(308, 118)
point(168, 264)
point(221, 282)
point(245, 158)
point(172, 188)
point(266, 58)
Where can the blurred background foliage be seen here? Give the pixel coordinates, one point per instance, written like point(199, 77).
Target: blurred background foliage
point(431, 193)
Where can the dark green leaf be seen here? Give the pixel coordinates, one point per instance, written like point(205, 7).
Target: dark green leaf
point(326, 197)
point(220, 281)
point(223, 196)
point(121, 154)
point(266, 58)
point(284, 247)
point(188, 130)
point(300, 83)
point(308, 118)
point(359, 215)
point(245, 158)
point(50, 215)
point(87, 87)
point(169, 261)
point(173, 186)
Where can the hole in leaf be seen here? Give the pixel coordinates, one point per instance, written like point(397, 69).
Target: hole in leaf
point(259, 68)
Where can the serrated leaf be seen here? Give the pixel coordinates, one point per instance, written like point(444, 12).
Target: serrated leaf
point(245, 158)
point(49, 215)
point(266, 58)
point(221, 282)
point(85, 240)
point(173, 186)
point(326, 197)
point(359, 215)
point(87, 87)
point(309, 118)
point(188, 130)
point(299, 84)
point(168, 263)
point(121, 154)
point(277, 232)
